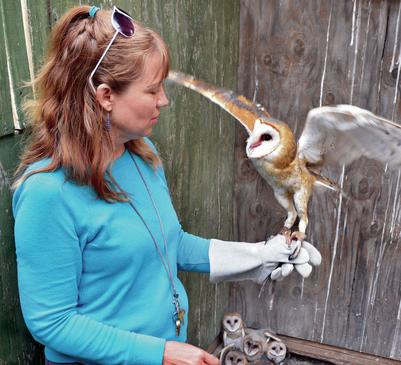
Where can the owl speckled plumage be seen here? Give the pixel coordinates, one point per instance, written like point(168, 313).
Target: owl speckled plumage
point(339, 134)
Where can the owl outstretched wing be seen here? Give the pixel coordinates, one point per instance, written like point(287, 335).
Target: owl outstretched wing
point(244, 110)
point(343, 133)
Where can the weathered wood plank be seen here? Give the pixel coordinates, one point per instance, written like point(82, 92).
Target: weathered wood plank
point(295, 56)
point(16, 345)
point(6, 110)
point(38, 27)
point(334, 355)
point(17, 64)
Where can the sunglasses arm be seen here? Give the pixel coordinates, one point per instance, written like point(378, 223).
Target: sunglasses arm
point(100, 60)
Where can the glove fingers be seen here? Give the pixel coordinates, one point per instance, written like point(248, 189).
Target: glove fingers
point(314, 254)
point(277, 274)
point(304, 269)
point(286, 269)
point(302, 257)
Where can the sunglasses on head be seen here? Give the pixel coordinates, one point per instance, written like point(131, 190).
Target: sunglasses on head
point(124, 25)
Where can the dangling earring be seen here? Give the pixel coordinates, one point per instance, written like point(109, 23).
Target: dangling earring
point(108, 121)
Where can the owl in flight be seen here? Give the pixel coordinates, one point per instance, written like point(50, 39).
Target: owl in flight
point(332, 134)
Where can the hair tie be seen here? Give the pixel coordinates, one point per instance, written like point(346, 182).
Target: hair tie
point(93, 10)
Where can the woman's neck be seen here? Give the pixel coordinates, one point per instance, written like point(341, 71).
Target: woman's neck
point(118, 151)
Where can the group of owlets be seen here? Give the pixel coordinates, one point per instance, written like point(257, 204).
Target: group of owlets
point(247, 346)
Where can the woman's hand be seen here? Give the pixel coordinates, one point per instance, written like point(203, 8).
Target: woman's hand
point(178, 353)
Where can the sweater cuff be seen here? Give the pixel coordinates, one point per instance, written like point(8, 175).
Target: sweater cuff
point(148, 350)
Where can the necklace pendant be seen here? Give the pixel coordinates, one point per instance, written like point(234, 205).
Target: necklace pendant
point(178, 316)
point(181, 315)
point(177, 327)
point(179, 321)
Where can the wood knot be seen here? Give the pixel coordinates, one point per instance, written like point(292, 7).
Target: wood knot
point(366, 178)
point(256, 210)
point(267, 60)
point(278, 64)
point(363, 186)
point(299, 47)
point(329, 99)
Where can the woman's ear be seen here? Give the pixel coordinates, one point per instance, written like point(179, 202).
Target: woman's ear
point(103, 96)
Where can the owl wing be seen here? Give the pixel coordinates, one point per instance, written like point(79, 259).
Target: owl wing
point(343, 133)
point(241, 108)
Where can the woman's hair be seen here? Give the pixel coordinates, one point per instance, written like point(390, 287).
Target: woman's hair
point(68, 124)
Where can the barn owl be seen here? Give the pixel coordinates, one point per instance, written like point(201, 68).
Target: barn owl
point(233, 330)
point(254, 345)
point(234, 357)
point(339, 134)
point(275, 348)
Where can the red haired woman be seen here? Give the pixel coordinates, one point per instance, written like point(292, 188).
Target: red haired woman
point(98, 241)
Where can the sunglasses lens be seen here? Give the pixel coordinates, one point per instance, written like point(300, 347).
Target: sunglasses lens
point(123, 23)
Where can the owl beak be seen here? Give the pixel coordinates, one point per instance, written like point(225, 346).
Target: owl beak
point(256, 144)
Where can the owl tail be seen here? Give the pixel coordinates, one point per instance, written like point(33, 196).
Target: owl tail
point(322, 181)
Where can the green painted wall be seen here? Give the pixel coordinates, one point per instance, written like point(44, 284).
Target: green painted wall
point(195, 139)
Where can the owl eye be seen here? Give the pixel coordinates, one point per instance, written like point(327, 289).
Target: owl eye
point(235, 320)
point(274, 348)
point(266, 137)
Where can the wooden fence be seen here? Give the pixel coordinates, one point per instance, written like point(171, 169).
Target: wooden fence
point(296, 55)
point(289, 56)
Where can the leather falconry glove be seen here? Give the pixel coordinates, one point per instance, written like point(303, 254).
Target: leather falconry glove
point(237, 261)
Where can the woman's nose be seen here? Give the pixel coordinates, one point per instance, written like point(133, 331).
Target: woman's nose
point(163, 100)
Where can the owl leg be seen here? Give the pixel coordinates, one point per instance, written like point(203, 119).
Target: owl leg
point(301, 198)
point(286, 201)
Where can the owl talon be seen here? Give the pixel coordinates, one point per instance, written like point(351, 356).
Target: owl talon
point(295, 254)
point(286, 232)
point(297, 236)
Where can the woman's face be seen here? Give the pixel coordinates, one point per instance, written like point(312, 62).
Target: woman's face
point(135, 111)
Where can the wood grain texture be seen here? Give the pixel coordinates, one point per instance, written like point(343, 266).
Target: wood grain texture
point(295, 56)
point(17, 65)
point(16, 345)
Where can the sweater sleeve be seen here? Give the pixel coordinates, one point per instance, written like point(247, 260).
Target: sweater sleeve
point(193, 253)
point(49, 261)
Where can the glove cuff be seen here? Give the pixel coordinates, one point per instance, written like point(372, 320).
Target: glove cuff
point(236, 261)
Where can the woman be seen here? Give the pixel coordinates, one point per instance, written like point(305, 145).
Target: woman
point(98, 241)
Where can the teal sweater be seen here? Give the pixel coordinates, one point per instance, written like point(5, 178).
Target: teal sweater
point(92, 286)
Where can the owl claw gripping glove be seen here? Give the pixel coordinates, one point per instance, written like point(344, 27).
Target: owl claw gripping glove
point(236, 261)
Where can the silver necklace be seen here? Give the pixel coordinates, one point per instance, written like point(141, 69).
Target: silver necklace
point(179, 313)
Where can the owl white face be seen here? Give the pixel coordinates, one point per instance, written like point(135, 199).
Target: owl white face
point(232, 322)
point(264, 139)
point(276, 351)
point(253, 348)
point(235, 358)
